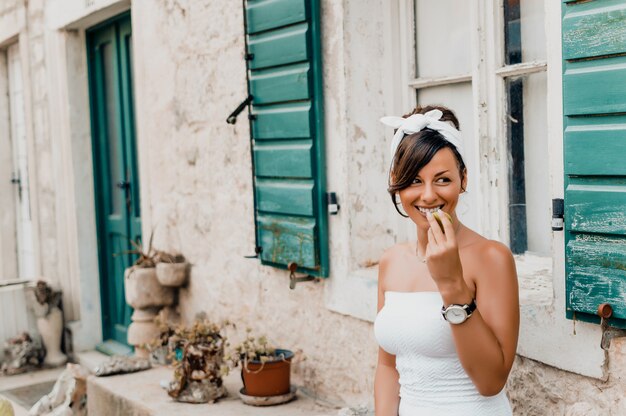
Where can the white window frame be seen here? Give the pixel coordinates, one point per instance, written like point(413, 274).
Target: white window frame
point(488, 78)
point(541, 308)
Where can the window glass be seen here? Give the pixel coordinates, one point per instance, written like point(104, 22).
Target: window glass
point(442, 30)
point(458, 97)
point(529, 196)
point(524, 31)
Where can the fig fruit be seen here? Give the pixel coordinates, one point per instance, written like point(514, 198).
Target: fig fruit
point(438, 219)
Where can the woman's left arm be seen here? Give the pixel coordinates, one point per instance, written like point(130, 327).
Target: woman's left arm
point(486, 342)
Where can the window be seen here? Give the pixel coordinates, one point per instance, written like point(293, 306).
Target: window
point(529, 200)
point(19, 175)
point(497, 87)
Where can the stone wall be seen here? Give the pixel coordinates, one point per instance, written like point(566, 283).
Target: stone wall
point(198, 186)
point(536, 389)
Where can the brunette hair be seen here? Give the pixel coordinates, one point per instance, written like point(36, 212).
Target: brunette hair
point(416, 151)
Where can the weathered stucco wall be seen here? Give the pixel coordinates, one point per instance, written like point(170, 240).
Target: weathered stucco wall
point(199, 191)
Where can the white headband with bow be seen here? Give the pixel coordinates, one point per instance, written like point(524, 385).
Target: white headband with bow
point(418, 122)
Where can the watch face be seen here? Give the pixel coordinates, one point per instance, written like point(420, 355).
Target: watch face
point(456, 315)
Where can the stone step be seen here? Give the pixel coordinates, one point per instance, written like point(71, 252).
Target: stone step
point(17, 386)
point(140, 394)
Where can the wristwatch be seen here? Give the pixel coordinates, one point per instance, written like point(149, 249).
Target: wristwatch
point(457, 314)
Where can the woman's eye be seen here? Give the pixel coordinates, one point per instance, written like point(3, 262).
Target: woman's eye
point(443, 180)
point(416, 181)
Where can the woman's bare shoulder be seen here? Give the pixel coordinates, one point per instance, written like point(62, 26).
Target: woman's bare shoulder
point(494, 251)
point(392, 255)
point(496, 262)
point(394, 251)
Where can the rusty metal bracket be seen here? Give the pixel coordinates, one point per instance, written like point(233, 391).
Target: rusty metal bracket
point(605, 311)
point(293, 279)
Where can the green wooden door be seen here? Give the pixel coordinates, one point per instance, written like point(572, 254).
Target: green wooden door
point(283, 45)
point(115, 165)
point(594, 108)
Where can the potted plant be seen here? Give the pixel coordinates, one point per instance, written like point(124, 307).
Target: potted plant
point(172, 270)
point(265, 370)
point(162, 351)
point(142, 288)
point(146, 296)
point(198, 374)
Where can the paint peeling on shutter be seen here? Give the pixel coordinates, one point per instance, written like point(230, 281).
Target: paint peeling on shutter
point(284, 77)
point(594, 103)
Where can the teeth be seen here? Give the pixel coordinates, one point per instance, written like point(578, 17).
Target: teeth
point(431, 210)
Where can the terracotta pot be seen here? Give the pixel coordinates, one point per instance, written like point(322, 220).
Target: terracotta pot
point(172, 274)
point(143, 290)
point(269, 379)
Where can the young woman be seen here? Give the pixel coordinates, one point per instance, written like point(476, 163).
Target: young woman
point(448, 305)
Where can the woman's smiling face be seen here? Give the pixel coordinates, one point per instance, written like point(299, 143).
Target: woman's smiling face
point(437, 186)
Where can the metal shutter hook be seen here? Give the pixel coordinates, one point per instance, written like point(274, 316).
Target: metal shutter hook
point(605, 311)
point(232, 118)
point(293, 279)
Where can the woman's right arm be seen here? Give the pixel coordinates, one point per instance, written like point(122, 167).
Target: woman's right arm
point(386, 385)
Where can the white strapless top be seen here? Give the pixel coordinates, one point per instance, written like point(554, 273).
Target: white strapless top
point(432, 380)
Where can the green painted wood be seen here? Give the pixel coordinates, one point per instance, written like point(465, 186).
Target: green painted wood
point(591, 30)
point(605, 135)
point(287, 131)
point(596, 205)
point(594, 98)
point(270, 14)
point(280, 84)
point(117, 215)
point(130, 142)
point(595, 87)
point(288, 239)
point(289, 159)
point(597, 274)
point(283, 121)
point(285, 196)
point(279, 47)
point(319, 172)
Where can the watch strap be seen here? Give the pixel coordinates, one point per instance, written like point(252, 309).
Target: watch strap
point(469, 308)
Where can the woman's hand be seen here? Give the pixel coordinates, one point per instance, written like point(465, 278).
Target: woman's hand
point(442, 253)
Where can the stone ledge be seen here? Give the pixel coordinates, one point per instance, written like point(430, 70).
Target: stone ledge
point(140, 394)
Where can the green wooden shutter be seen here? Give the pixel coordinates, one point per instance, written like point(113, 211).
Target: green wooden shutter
point(594, 107)
point(285, 78)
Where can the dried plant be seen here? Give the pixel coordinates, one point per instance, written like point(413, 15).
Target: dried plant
point(165, 257)
point(253, 349)
point(146, 257)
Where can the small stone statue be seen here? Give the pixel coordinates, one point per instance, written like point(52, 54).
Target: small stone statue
point(196, 381)
point(21, 354)
point(47, 308)
point(198, 374)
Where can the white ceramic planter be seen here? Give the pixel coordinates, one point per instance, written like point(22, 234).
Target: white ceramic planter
point(172, 274)
point(143, 290)
point(51, 329)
